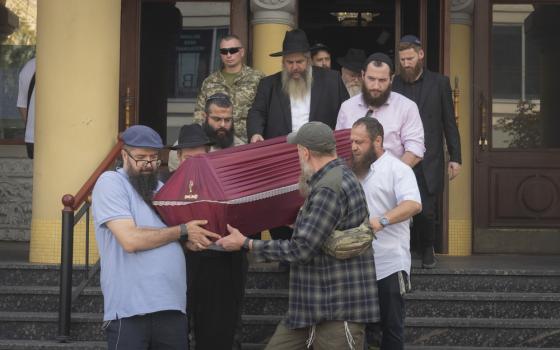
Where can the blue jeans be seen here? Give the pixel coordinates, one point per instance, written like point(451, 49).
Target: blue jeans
point(159, 330)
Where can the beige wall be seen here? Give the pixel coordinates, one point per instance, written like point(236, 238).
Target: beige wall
point(267, 38)
point(460, 189)
point(77, 108)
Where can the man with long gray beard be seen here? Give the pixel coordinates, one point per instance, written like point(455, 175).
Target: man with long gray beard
point(393, 198)
point(404, 134)
point(300, 93)
point(143, 272)
point(330, 299)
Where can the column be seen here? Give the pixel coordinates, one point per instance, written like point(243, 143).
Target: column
point(77, 86)
point(271, 19)
point(460, 189)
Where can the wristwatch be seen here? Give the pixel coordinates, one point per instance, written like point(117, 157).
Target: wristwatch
point(184, 234)
point(384, 221)
point(246, 244)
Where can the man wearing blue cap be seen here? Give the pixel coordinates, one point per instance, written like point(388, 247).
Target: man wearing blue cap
point(432, 93)
point(143, 272)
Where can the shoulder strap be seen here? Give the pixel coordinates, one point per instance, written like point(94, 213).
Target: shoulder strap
point(30, 91)
point(332, 180)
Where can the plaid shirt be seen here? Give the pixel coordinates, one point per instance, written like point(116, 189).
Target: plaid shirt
point(323, 288)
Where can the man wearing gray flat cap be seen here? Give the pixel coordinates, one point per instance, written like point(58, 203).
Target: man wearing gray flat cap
point(330, 299)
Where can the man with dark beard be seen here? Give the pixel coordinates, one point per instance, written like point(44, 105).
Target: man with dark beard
point(218, 126)
point(217, 278)
point(404, 134)
point(432, 93)
point(143, 273)
point(393, 198)
point(298, 94)
point(330, 299)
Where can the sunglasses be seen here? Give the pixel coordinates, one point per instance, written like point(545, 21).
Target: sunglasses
point(230, 50)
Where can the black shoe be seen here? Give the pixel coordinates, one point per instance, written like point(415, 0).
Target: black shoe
point(428, 258)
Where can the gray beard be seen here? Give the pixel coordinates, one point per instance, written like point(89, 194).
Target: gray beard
point(297, 89)
point(304, 176)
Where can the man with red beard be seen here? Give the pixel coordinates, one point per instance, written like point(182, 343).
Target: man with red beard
point(393, 198)
point(404, 134)
point(432, 93)
point(143, 275)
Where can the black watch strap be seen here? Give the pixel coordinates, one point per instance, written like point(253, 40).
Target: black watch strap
point(246, 243)
point(184, 234)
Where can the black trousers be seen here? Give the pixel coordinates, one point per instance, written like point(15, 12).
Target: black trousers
point(423, 232)
point(216, 287)
point(165, 330)
point(391, 307)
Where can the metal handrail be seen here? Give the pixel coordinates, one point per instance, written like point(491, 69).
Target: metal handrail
point(75, 207)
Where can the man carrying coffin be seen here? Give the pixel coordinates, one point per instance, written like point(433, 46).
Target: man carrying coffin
point(330, 299)
point(143, 275)
point(216, 278)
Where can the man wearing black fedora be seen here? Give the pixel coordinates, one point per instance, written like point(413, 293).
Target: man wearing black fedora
point(192, 141)
point(298, 94)
point(351, 70)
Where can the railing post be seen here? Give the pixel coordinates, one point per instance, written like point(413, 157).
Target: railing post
point(66, 256)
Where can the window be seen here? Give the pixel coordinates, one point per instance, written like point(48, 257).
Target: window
point(197, 57)
point(17, 46)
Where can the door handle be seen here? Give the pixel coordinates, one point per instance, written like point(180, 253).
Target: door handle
point(483, 111)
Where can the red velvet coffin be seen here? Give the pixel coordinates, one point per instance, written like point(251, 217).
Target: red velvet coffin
point(252, 187)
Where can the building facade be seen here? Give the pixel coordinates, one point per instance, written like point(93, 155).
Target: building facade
point(103, 65)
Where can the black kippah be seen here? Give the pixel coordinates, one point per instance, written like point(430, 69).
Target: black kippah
point(380, 57)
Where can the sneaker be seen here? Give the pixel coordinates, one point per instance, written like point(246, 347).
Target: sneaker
point(428, 258)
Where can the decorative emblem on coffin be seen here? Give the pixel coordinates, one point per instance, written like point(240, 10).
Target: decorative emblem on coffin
point(252, 187)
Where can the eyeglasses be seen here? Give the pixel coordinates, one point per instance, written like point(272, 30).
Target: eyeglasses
point(143, 162)
point(226, 120)
point(230, 50)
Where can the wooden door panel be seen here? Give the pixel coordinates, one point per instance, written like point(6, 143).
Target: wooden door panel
point(524, 197)
point(517, 156)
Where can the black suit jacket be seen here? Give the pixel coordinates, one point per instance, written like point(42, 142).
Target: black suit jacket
point(271, 116)
point(438, 118)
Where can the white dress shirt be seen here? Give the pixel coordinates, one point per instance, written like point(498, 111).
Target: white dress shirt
point(388, 183)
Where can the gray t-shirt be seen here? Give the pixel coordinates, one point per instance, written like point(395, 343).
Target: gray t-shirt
point(134, 283)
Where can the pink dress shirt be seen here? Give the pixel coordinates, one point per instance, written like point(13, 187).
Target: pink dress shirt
point(400, 119)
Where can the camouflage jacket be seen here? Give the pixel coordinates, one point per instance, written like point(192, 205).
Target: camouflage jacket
point(242, 93)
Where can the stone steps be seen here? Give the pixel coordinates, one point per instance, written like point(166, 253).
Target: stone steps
point(275, 302)
point(257, 329)
point(53, 345)
point(450, 308)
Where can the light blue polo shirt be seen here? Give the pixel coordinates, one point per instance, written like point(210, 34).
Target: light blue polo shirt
point(134, 283)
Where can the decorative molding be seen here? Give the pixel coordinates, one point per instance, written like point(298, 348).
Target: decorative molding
point(461, 11)
point(273, 11)
point(16, 190)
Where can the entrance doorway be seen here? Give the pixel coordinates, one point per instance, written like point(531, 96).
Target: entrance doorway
point(517, 118)
point(376, 26)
